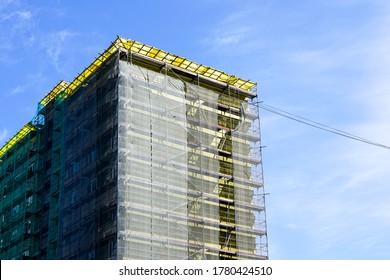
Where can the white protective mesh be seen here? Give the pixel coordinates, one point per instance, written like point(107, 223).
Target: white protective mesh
point(152, 166)
point(248, 185)
point(203, 166)
point(189, 171)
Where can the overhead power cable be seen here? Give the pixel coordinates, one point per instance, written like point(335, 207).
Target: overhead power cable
point(319, 125)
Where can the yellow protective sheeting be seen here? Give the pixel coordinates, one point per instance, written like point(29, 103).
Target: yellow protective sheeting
point(89, 70)
point(54, 92)
point(181, 62)
point(20, 135)
point(148, 51)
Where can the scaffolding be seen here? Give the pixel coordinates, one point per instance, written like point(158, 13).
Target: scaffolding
point(19, 202)
point(190, 178)
point(144, 155)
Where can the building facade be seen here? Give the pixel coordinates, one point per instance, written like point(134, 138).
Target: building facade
point(145, 155)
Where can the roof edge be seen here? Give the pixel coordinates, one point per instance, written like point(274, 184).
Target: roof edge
point(26, 129)
point(131, 46)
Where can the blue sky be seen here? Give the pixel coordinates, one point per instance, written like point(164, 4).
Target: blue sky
point(328, 61)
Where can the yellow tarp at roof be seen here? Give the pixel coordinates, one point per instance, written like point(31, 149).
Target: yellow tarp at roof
point(19, 136)
point(148, 51)
point(135, 47)
point(54, 92)
point(181, 62)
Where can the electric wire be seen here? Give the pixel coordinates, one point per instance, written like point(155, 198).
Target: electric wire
point(318, 125)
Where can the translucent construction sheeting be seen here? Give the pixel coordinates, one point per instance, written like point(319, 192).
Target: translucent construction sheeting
point(152, 174)
point(249, 207)
point(189, 170)
point(204, 167)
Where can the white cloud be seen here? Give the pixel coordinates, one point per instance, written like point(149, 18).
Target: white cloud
point(18, 15)
point(55, 45)
point(17, 23)
point(6, 3)
point(229, 36)
point(16, 27)
point(333, 208)
point(20, 30)
point(232, 31)
point(4, 134)
point(19, 89)
point(334, 191)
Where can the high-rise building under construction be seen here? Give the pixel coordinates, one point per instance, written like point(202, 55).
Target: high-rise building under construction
point(145, 155)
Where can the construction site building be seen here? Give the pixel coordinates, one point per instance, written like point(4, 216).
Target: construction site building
point(144, 155)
